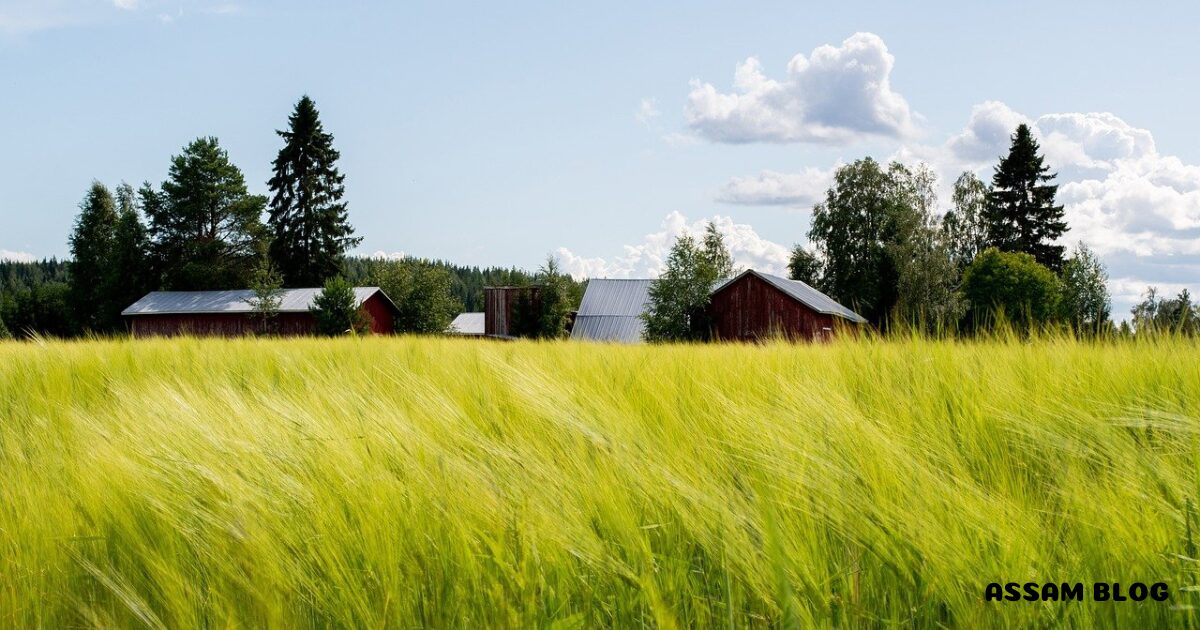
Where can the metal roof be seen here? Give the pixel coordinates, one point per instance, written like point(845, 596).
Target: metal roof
point(611, 310)
point(804, 294)
point(468, 324)
point(214, 302)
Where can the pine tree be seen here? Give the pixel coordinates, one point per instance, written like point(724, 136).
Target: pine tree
point(205, 226)
point(91, 251)
point(129, 276)
point(308, 219)
point(1021, 214)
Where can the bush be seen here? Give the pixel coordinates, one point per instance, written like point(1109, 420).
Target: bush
point(336, 310)
point(1009, 287)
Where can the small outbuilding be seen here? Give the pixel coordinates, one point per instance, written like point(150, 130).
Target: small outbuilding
point(612, 310)
point(468, 325)
point(757, 306)
point(231, 314)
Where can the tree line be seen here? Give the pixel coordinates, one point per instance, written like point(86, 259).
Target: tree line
point(881, 247)
point(201, 229)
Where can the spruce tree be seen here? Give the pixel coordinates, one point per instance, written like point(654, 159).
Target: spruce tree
point(308, 221)
point(129, 277)
point(205, 226)
point(1021, 214)
point(91, 250)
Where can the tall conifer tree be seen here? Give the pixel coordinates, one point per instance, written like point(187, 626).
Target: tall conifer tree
point(309, 225)
point(1021, 213)
point(91, 250)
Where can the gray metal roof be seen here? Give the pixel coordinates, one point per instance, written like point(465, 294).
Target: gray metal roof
point(611, 310)
point(211, 302)
point(804, 294)
point(468, 324)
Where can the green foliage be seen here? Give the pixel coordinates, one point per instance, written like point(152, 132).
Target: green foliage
point(39, 309)
point(544, 311)
point(267, 287)
point(926, 275)
point(1156, 315)
point(965, 226)
point(1085, 303)
point(416, 482)
point(205, 226)
point(863, 214)
point(1010, 288)
point(467, 283)
point(128, 271)
point(679, 297)
point(421, 291)
point(336, 310)
point(309, 225)
point(4, 333)
point(92, 242)
point(1021, 215)
point(804, 266)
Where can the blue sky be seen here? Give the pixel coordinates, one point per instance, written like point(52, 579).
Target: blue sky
point(497, 133)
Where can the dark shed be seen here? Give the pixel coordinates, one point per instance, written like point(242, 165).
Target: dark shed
point(500, 308)
point(230, 314)
point(757, 306)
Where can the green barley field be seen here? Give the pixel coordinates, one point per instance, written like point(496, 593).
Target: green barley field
point(401, 483)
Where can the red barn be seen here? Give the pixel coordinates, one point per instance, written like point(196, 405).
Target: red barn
point(757, 306)
point(230, 314)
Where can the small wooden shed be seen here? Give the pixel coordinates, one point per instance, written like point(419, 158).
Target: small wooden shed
point(757, 306)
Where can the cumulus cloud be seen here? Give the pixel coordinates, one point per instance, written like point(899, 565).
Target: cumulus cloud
point(16, 256)
point(836, 94)
point(771, 188)
point(986, 136)
point(648, 258)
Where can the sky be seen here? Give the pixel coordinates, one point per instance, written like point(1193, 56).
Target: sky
point(501, 133)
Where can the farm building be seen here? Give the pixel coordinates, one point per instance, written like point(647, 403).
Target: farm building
point(230, 314)
point(749, 307)
point(500, 306)
point(756, 305)
point(611, 310)
point(468, 325)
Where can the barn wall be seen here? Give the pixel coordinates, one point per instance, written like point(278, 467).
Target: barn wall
point(219, 325)
point(383, 320)
point(753, 310)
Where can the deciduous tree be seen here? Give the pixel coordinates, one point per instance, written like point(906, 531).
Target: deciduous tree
point(91, 254)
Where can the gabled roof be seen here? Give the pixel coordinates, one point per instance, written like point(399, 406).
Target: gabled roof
point(611, 310)
point(802, 293)
point(468, 324)
point(238, 301)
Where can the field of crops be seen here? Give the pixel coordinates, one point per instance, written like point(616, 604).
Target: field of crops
point(421, 482)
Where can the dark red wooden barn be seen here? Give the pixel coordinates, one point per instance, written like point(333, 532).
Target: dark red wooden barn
point(757, 306)
point(231, 314)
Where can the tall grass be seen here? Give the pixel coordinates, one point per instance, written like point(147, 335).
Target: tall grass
point(406, 482)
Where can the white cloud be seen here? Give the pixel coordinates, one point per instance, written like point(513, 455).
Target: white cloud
point(986, 137)
point(16, 256)
point(382, 255)
point(835, 95)
point(126, 4)
point(771, 188)
point(647, 111)
point(647, 258)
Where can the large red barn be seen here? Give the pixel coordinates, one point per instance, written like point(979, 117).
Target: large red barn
point(757, 306)
point(230, 314)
